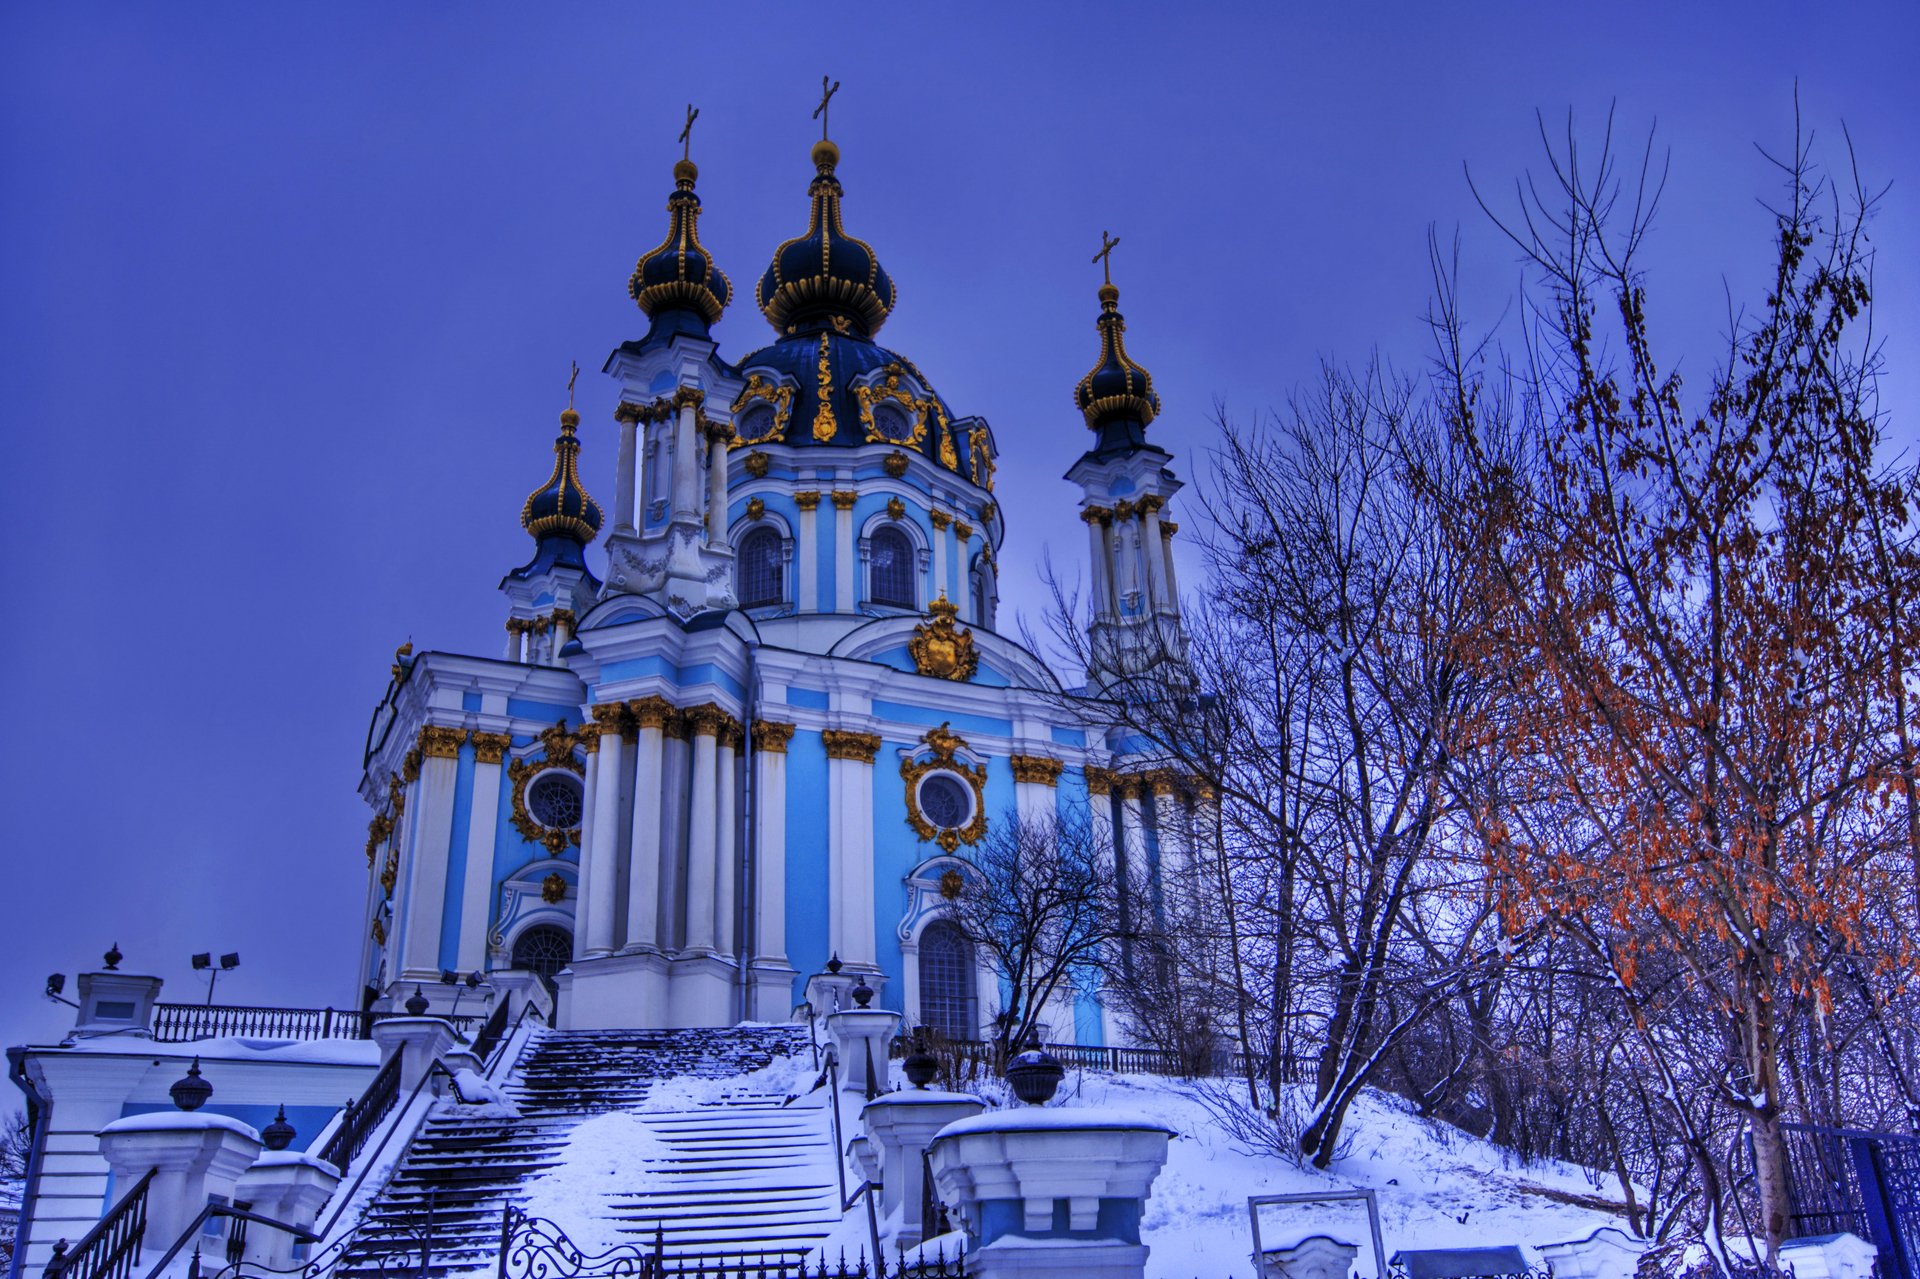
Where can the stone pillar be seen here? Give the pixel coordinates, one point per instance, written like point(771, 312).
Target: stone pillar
point(513, 639)
point(1607, 1253)
point(562, 629)
point(717, 438)
point(627, 474)
point(426, 863)
point(1167, 529)
point(961, 591)
point(771, 995)
point(476, 894)
point(675, 779)
point(702, 827)
point(807, 597)
point(1009, 1174)
point(650, 714)
point(902, 1125)
point(726, 836)
point(860, 1036)
point(116, 1003)
point(286, 1185)
point(599, 876)
point(846, 564)
point(417, 1041)
point(192, 1155)
point(1034, 780)
point(850, 926)
point(1133, 831)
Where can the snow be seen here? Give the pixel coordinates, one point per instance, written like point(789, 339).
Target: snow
point(479, 1098)
point(324, 1052)
point(1054, 1119)
point(179, 1121)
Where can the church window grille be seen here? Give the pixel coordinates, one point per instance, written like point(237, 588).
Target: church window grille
point(893, 422)
point(946, 801)
point(890, 557)
point(760, 556)
point(946, 981)
point(556, 800)
point(543, 950)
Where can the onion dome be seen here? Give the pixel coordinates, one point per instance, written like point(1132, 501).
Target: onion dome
point(825, 276)
point(1117, 390)
point(561, 507)
point(680, 273)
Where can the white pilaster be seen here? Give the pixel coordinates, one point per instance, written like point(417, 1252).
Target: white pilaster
point(1101, 577)
point(726, 840)
point(717, 488)
point(702, 831)
point(426, 861)
point(937, 583)
point(770, 845)
point(482, 821)
point(845, 563)
point(626, 474)
point(686, 464)
point(1153, 551)
point(850, 822)
point(643, 851)
point(808, 597)
point(600, 882)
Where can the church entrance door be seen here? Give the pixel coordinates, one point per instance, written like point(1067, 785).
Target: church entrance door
point(543, 950)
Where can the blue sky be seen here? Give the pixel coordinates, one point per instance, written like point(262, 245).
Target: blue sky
point(291, 292)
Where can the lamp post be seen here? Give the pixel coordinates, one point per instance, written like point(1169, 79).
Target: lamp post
point(450, 978)
point(203, 963)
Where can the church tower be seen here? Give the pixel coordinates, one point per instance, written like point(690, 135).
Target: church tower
point(548, 594)
point(1126, 483)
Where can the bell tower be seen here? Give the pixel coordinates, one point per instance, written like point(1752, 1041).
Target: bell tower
point(1126, 483)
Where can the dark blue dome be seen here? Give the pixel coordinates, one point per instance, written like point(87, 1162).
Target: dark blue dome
point(1117, 389)
point(680, 273)
point(561, 507)
point(826, 276)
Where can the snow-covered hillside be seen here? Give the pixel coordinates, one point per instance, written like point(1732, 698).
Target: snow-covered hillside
point(1436, 1186)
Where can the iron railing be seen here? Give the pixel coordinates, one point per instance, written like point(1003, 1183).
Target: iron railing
point(490, 1032)
point(362, 1114)
point(112, 1248)
point(184, 1023)
point(1125, 1061)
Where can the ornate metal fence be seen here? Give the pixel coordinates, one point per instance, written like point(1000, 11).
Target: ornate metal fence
point(534, 1248)
point(183, 1023)
point(362, 1114)
point(1867, 1183)
point(112, 1248)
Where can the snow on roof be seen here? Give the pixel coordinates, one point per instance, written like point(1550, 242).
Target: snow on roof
point(334, 1052)
point(1055, 1119)
point(180, 1121)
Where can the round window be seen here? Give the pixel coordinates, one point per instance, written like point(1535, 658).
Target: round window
point(555, 800)
point(893, 422)
point(756, 423)
point(946, 801)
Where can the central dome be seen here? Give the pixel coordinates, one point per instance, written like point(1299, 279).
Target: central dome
point(825, 278)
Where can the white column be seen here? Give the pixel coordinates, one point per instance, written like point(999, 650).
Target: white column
point(476, 898)
point(643, 850)
point(1154, 553)
point(808, 598)
point(1170, 821)
point(1133, 834)
point(717, 488)
point(686, 464)
point(846, 564)
point(770, 846)
point(1101, 585)
point(513, 639)
point(1173, 583)
point(561, 629)
point(426, 861)
point(601, 877)
point(1034, 779)
point(626, 474)
point(673, 833)
point(727, 861)
point(589, 803)
point(850, 834)
point(702, 829)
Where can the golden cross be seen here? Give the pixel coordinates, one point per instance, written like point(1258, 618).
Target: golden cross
point(570, 378)
point(1105, 256)
point(686, 134)
point(827, 90)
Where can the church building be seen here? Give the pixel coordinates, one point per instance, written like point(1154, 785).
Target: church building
point(761, 726)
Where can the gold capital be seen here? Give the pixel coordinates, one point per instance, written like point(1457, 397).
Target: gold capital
point(963, 531)
point(1036, 768)
point(438, 742)
point(772, 736)
point(651, 711)
point(843, 499)
point(841, 744)
point(807, 499)
point(940, 519)
point(490, 748)
point(629, 413)
point(1099, 780)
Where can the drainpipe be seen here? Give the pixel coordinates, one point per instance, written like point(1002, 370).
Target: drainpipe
point(40, 1114)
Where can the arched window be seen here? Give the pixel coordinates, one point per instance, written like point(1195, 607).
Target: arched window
point(946, 981)
point(543, 950)
point(890, 561)
point(759, 569)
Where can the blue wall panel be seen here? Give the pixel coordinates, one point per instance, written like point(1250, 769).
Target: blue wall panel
point(457, 859)
point(807, 887)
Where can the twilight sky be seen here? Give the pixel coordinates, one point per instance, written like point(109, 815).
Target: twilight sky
point(290, 292)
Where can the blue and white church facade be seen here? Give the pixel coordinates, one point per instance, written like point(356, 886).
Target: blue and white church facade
point(759, 728)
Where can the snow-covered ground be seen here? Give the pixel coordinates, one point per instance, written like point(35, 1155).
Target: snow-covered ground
point(1436, 1186)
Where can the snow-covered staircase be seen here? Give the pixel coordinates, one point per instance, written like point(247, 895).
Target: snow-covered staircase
point(746, 1178)
point(462, 1171)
